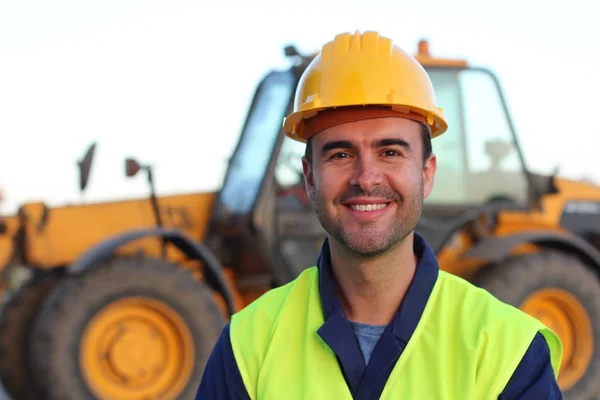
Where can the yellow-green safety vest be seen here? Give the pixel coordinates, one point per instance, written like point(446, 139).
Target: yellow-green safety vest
point(466, 346)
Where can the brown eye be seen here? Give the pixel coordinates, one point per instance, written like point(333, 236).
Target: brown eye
point(339, 155)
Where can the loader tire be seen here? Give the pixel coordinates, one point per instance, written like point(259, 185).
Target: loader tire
point(135, 328)
point(563, 292)
point(16, 320)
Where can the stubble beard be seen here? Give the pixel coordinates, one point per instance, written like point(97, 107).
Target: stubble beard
point(370, 242)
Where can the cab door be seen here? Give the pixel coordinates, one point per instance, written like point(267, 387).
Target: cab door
point(299, 231)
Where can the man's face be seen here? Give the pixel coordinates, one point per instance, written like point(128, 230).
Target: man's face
point(368, 181)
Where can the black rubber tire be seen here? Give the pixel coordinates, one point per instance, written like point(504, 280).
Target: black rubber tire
point(57, 331)
point(520, 276)
point(16, 320)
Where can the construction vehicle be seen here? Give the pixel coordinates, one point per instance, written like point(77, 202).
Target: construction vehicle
point(127, 298)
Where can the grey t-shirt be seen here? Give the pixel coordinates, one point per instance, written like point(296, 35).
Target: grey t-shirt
point(368, 336)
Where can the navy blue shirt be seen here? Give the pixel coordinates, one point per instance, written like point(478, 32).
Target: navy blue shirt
point(533, 378)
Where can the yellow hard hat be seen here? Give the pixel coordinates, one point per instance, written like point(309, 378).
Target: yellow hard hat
point(364, 70)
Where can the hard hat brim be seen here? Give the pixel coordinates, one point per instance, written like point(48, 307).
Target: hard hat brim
point(294, 125)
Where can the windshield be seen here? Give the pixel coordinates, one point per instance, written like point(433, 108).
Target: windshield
point(251, 159)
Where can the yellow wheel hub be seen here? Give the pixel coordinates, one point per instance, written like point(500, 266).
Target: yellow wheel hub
point(563, 313)
point(137, 348)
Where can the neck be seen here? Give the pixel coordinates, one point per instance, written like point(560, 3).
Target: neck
point(371, 289)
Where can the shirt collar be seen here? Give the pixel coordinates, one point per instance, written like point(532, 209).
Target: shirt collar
point(409, 313)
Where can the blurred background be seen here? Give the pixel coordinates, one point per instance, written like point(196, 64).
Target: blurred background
point(158, 79)
point(169, 84)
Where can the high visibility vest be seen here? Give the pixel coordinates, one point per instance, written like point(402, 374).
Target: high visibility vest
point(466, 346)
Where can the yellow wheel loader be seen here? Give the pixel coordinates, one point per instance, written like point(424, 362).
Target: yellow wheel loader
point(125, 299)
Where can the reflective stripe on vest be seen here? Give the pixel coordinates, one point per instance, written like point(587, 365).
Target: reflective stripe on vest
point(466, 345)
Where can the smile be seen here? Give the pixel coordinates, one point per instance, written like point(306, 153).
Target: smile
point(368, 207)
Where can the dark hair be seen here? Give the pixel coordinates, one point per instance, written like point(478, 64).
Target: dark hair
point(425, 136)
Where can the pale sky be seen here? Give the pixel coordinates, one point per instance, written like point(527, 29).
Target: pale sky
point(169, 82)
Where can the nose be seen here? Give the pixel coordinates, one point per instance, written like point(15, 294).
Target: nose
point(366, 174)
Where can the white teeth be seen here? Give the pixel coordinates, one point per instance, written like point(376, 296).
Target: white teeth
point(367, 207)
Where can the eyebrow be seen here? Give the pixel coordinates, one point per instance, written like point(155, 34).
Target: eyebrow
point(345, 144)
point(336, 144)
point(393, 142)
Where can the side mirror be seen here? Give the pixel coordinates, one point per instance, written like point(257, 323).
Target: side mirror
point(132, 167)
point(85, 166)
point(290, 51)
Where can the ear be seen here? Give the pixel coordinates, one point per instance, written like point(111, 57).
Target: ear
point(308, 179)
point(429, 170)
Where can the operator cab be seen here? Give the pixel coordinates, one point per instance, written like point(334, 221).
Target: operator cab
point(478, 157)
point(259, 139)
point(244, 217)
point(263, 198)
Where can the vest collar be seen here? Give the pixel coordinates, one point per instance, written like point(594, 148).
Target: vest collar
point(409, 313)
point(337, 332)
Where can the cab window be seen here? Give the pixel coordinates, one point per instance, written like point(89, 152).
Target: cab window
point(249, 162)
point(477, 157)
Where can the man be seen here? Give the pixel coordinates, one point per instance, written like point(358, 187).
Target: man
point(376, 318)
